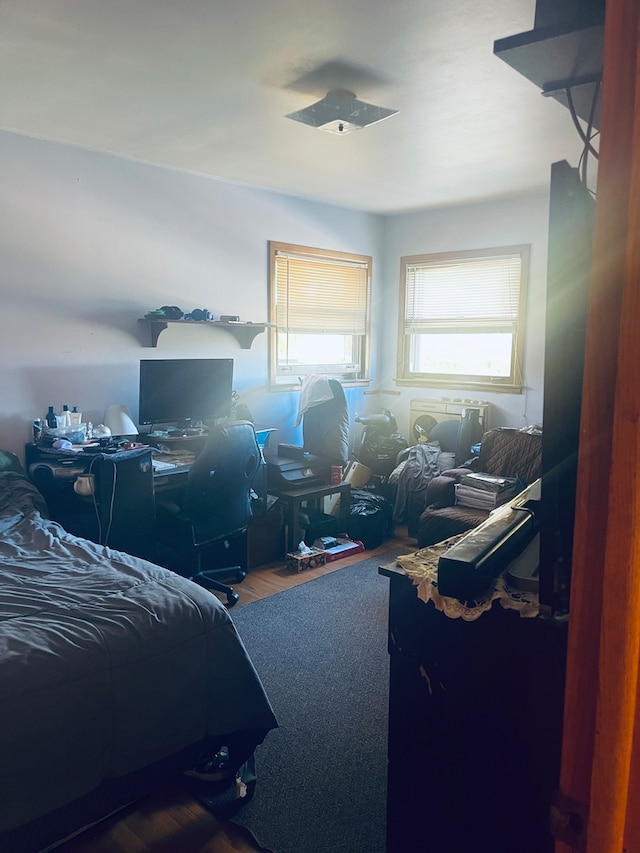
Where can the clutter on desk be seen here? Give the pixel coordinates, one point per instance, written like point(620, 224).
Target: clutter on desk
point(162, 465)
point(66, 431)
point(64, 419)
point(101, 431)
point(52, 418)
point(63, 426)
point(74, 435)
point(177, 455)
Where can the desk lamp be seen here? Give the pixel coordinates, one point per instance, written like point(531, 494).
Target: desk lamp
point(118, 419)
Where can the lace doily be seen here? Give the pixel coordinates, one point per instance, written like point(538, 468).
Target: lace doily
point(422, 568)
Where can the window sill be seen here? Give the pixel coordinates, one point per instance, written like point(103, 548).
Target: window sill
point(295, 386)
point(460, 386)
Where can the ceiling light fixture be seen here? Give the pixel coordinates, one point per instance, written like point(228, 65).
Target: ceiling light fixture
point(341, 112)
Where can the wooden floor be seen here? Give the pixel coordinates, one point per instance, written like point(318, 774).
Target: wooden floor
point(171, 821)
point(274, 577)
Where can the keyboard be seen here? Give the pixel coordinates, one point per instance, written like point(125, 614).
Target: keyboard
point(159, 465)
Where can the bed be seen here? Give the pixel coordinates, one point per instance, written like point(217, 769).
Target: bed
point(115, 675)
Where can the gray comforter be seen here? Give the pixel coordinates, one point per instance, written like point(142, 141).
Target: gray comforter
point(107, 663)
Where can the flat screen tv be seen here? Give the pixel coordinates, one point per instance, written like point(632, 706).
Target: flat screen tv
point(185, 391)
point(571, 217)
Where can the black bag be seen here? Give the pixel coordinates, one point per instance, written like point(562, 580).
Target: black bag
point(370, 518)
point(379, 452)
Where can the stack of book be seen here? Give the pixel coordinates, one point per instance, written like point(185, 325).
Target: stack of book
point(485, 491)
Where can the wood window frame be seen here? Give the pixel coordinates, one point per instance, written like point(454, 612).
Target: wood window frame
point(474, 323)
point(338, 311)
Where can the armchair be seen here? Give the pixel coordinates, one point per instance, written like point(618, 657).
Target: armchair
point(504, 452)
point(210, 519)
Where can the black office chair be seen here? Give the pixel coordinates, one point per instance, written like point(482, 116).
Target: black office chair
point(211, 517)
point(325, 429)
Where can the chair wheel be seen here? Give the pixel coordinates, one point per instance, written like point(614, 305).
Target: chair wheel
point(232, 598)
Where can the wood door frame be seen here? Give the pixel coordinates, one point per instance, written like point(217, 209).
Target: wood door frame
point(601, 745)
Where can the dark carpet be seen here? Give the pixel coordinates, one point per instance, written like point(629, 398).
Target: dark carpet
point(321, 651)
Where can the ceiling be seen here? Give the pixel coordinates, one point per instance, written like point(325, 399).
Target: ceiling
point(205, 85)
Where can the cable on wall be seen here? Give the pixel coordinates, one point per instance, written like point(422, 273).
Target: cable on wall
point(587, 135)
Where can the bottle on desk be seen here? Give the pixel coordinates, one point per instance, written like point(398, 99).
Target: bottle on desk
point(64, 418)
point(52, 418)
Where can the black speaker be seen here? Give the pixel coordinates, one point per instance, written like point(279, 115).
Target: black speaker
point(125, 501)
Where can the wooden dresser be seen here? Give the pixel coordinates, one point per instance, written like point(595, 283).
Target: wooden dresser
point(475, 718)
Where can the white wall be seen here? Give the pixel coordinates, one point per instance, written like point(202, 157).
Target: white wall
point(497, 223)
point(90, 242)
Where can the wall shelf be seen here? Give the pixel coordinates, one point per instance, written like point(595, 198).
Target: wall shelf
point(244, 333)
point(556, 58)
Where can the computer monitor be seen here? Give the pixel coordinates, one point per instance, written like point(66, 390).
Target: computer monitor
point(185, 391)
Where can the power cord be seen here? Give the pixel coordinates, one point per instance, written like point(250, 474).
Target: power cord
point(111, 502)
point(585, 135)
point(96, 507)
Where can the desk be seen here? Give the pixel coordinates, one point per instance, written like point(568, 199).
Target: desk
point(294, 498)
point(121, 513)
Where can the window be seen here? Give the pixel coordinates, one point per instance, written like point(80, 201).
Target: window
point(462, 319)
point(319, 305)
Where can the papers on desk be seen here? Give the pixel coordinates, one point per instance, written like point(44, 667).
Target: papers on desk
point(166, 463)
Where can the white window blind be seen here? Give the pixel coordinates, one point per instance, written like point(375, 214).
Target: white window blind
point(473, 293)
point(319, 304)
point(462, 318)
point(320, 295)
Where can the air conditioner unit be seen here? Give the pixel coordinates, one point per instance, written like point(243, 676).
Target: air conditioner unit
point(426, 413)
